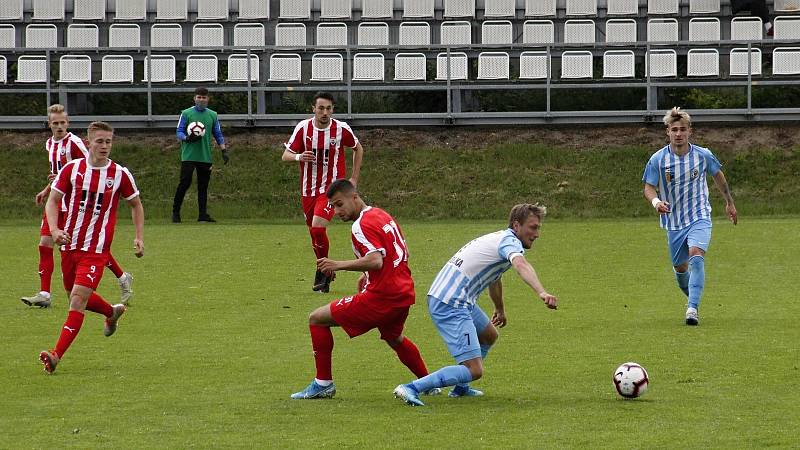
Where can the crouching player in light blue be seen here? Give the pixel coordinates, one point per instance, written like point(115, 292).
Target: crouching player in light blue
point(465, 328)
point(677, 172)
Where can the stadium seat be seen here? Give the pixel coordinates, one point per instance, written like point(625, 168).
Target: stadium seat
point(456, 34)
point(377, 9)
point(124, 35)
point(162, 69)
point(336, 9)
point(459, 8)
point(576, 64)
point(619, 31)
point(295, 9)
point(538, 32)
point(415, 34)
point(83, 35)
point(3, 70)
point(131, 10)
point(619, 64)
point(662, 31)
point(787, 27)
point(704, 6)
point(89, 10)
point(75, 69)
point(172, 9)
point(417, 8)
point(332, 35)
point(786, 61)
point(327, 67)
point(208, 35)
point(253, 10)
point(662, 7)
point(581, 7)
point(212, 9)
point(738, 62)
point(540, 8)
point(202, 68)
point(166, 35)
point(249, 35)
point(458, 66)
point(368, 67)
point(579, 32)
point(11, 10)
point(290, 35)
point(117, 69)
point(661, 63)
point(622, 7)
point(8, 36)
point(702, 62)
point(373, 34)
point(285, 67)
point(533, 65)
point(786, 6)
point(48, 10)
point(32, 69)
point(499, 8)
point(237, 68)
point(747, 29)
point(493, 66)
point(497, 32)
point(410, 67)
point(706, 29)
point(41, 36)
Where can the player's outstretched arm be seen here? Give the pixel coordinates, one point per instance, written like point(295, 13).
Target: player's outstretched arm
point(725, 190)
point(370, 261)
point(137, 215)
point(651, 194)
point(358, 157)
point(51, 211)
point(288, 156)
point(528, 275)
point(496, 294)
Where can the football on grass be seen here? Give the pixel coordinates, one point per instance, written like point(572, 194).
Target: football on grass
point(631, 380)
point(196, 128)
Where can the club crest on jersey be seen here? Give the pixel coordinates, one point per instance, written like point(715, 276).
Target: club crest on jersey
point(695, 173)
point(668, 175)
point(334, 143)
point(63, 151)
point(109, 183)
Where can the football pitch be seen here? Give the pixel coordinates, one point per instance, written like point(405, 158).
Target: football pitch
point(216, 339)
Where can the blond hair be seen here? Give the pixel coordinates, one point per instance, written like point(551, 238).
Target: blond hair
point(675, 114)
point(98, 126)
point(520, 213)
point(56, 108)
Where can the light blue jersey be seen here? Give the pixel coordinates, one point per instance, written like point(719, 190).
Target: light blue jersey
point(681, 181)
point(474, 267)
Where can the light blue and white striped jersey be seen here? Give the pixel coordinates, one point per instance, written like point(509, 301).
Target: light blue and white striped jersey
point(681, 181)
point(474, 267)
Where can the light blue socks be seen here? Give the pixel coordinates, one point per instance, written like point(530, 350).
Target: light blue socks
point(697, 280)
point(683, 281)
point(446, 376)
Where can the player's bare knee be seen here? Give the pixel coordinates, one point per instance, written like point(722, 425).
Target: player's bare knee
point(489, 335)
point(682, 268)
point(393, 342)
point(46, 241)
point(475, 367)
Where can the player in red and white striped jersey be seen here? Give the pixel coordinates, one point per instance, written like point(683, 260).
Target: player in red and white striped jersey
point(92, 188)
point(62, 148)
point(318, 145)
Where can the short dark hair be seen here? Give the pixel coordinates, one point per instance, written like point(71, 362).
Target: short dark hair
point(342, 185)
point(520, 213)
point(201, 91)
point(324, 95)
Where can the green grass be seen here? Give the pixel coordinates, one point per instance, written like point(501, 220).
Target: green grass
point(216, 340)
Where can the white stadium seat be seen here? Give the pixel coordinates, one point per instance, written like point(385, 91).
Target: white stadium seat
point(493, 66)
point(665, 7)
point(212, 9)
point(208, 35)
point(11, 10)
point(787, 27)
point(459, 8)
point(581, 7)
point(497, 32)
point(290, 35)
point(83, 35)
point(786, 6)
point(249, 35)
point(662, 31)
point(124, 35)
point(499, 8)
point(336, 9)
point(3, 70)
point(579, 32)
point(89, 10)
point(166, 35)
point(415, 34)
point(285, 67)
point(327, 67)
point(8, 36)
point(172, 9)
point(131, 10)
point(458, 66)
point(410, 67)
point(704, 6)
point(576, 64)
point(738, 62)
point(706, 29)
point(622, 7)
point(747, 29)
point(786, 61)
point(368, 67)
point(48, 9)
point(534, 65)
point(295, 9)
point(540, 8)
point(702, 62)
point(373, 34)
point(41, 36)
point(332, 35)
point(117, 69)
point(202, 68)
point(619, 64)
point(162, 69)
point(253, 9)
point(377, 9)
point(661, 63)
point(620, 31)
point(237, 68)
point(32, 69)
point(75, 69)
point(456, 34)
point(538, 32)
point(417, 8)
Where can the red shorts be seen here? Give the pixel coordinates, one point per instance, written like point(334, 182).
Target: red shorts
point(44, 230)
point(83, 268)
point(364, 311)
point(317, 206)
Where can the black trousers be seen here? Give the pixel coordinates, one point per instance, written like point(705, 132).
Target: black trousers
point(757, 8)
point(203, 177)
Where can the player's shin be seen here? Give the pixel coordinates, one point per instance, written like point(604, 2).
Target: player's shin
point(98, 305)
point(322, 343)
point(46, 267)
point(114, 266)
point(69, 332)
point(319, 240)
point(484, 353)
point(683, 281)
point(408, 353)
point(446, 376)
point(697, 280)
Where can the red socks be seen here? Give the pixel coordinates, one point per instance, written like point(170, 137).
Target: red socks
point(112, 264)
point(98, 305)
point(322, 343)
point(45, 267)
point(319, 240)
point(410, 356)
point(71, 328)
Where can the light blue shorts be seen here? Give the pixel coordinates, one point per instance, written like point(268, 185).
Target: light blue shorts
point(698, 234)
point(459, 327)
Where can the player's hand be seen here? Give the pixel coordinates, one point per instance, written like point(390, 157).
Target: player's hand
point(549, 300)
point(730, 210)
point(191, 137)
point(499, 318)
point(138, 248)
point(60, 237)
point(51, 177)
point(327, 266)
point(307, 156)
point(225, 156)
point(663, 208)
point(362, 282)
point(42, 196)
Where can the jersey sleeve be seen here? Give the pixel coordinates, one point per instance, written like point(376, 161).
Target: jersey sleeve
point(712, 163)
point(63, 183)
point(180, 130)
point(651, 174)
point(78, 149)
point(510, 247)
point(368, 238)
point(296, 143)
point(349, 139)
point(127, 185)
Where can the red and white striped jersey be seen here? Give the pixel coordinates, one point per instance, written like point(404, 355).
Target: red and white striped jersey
point(63, 151)
point(93, 193)
point(329, 145)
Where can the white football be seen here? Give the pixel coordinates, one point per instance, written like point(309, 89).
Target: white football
point(631, 380)
point(196, 128)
